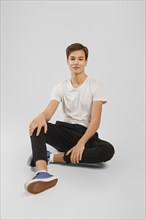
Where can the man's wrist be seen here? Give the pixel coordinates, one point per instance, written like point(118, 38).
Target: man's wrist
point(44, 115)
point(82, 141)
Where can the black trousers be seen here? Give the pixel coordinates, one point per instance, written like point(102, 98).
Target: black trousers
point(63, 136)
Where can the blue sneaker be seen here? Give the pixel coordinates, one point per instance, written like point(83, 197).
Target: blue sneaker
point(41, 182)
point(31, 162)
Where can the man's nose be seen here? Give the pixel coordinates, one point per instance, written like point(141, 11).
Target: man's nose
point(76, 61)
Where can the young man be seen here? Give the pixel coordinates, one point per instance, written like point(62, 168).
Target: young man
point(76, 137)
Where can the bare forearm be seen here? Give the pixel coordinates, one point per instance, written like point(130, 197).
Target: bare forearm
point(95, 122)
point(47, 115)
point(50, 109)
point(43, 117)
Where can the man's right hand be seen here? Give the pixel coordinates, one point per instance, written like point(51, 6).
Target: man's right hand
point(38, 123)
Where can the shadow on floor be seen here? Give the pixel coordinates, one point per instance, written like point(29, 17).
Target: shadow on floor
point(84, 165)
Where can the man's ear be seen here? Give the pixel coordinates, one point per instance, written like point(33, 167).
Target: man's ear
point(86, 62)
point(67, 61)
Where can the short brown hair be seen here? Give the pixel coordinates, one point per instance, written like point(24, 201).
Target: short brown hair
point(76, 46)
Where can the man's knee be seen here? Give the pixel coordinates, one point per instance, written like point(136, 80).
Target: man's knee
point(109, 151)
point(35, 132)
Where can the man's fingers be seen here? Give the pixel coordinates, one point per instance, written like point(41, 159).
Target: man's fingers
point(73, 157)
point(31, 130)
point(80, 156)
point(38, 131)
point(45, 128)
point(76, 156)
point(68, 152)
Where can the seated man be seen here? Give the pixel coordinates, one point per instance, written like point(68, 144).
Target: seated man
point(75, 137)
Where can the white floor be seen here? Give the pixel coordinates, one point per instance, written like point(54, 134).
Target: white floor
point(112, 191)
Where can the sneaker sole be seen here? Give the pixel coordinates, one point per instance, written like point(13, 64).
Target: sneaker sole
point(40, 186)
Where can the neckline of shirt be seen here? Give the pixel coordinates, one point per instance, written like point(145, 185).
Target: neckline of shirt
point(85, 81)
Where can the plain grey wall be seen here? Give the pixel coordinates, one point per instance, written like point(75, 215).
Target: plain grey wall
point(34, 36)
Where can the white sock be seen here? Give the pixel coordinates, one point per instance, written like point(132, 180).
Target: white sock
point(51, 159)
point(44, 171)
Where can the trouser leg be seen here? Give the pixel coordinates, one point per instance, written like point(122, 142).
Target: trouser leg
point(64, 136)
point(98, 152)
point(61, 136)
point(38, 144)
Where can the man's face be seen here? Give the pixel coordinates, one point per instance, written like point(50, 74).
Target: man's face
point(77, 62)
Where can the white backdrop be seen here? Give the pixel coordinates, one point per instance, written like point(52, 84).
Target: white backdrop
point(34, 37)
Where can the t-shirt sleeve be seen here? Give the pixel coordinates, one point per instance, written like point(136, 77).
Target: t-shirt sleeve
point(57, 93)
point(99, 93)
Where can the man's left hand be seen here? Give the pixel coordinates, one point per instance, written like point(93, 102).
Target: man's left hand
point(76, 153)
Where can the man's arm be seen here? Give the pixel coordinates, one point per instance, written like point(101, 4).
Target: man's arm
point(77, 151)
point(41, 120)
point(96, 111)
point(50, 109)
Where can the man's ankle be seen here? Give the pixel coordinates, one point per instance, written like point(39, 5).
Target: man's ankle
point(41, 165)
point(59, 158)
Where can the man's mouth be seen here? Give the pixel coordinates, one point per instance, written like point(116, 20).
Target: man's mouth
point(76, 68)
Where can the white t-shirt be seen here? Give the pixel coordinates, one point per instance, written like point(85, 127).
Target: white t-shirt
point(77, 102)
